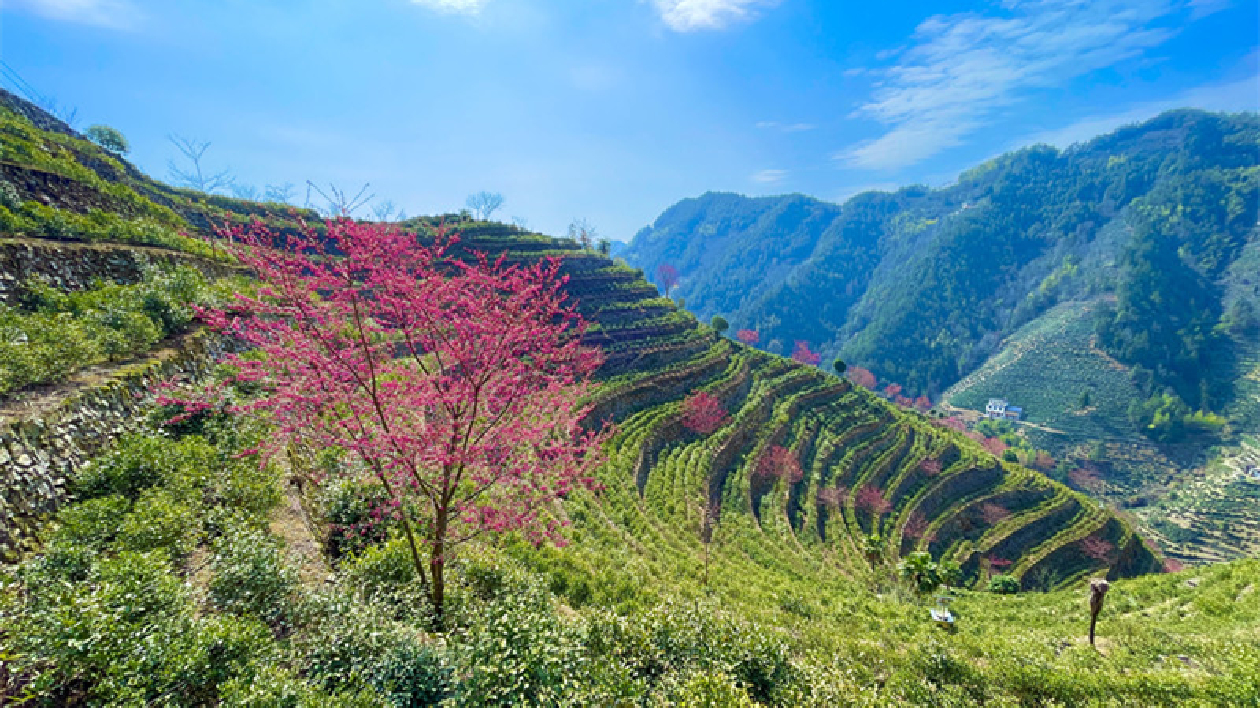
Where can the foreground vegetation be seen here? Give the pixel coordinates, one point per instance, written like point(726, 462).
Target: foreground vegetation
point(169, 583)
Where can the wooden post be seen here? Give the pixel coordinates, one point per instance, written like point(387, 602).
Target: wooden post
point(1097, 590)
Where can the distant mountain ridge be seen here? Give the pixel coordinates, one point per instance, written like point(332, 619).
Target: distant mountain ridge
point(920, 285)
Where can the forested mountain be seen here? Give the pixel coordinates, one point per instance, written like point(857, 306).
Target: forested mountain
point(920, 286)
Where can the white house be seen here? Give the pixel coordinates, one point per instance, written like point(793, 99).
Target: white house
point(998, 408)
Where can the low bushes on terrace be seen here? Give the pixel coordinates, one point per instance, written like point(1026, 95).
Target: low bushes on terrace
point(50, 334)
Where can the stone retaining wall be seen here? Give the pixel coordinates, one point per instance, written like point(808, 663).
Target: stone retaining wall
point(41, 448)
point(73, 266)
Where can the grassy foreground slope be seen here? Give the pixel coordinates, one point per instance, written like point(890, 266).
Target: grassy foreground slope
point(185, 577)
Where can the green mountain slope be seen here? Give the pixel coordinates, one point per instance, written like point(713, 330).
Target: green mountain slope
point(846, 440)
point(1109, 289)
point(920, 285)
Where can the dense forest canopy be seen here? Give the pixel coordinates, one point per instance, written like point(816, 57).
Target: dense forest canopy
point(920, 286)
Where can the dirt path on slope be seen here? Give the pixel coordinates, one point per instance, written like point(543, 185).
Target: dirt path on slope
point(289, 521)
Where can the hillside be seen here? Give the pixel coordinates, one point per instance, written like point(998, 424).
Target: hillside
point(656, 355)
point(920, 285)
point(1119, 272)
point(692, 576)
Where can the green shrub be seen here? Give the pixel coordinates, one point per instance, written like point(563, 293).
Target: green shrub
point(351, 644)
point(216, 650)
point(681, 639)
point(9, 197)
point(355, 522)
point(412, 675)
point(1003, 585)
point(517, 652)
point(63, 560)
point(157, 521)
point(385, 575)
point(273, 687)
point(53, 333)
point(144, 460)
point(93, 523)
point(709, 690)
point(250, 577)
point(116, 635)
point(243, 485)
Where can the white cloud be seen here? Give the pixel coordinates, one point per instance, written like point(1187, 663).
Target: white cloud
point(114, 14)
point(1234, 96)
point(692, 15)
point(467, 7)
point(1203, 8)
point(785, 127)
point(960, 71)
point(769, 176)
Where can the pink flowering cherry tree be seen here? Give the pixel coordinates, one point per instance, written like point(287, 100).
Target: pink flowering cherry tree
point(456, 382)
point(703, 413)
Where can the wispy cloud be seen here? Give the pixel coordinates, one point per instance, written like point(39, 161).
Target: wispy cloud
point(467, 7)
point(959, 71)
point(114, 14)
point(692, 15)
point(769, 176)
point(785, 127)
point(1241, 95)
point(1203, 8)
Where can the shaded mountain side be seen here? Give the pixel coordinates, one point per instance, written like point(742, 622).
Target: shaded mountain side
point(870, 469)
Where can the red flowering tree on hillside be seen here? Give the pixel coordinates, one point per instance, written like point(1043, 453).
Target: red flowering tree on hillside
point(931, 467)
point(998, 563)
point(703, 413)
point(803, 354)
point(1085, 478)
point(667, 276)
point(953, 423)
point(1099, 549)
point(455, 383)
point(995, 446)
point(832, 497)
point(862, 377)
point(778, 462)
point(748, 336)
point(871, 500)
point(916, 526)
point(993, 513)
point(892, 389)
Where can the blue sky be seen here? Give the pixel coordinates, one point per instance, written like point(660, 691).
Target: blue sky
point(612, 110)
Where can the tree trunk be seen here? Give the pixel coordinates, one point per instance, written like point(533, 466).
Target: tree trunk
point(437, 566)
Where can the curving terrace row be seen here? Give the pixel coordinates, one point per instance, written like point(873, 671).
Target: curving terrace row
point(936, 490)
